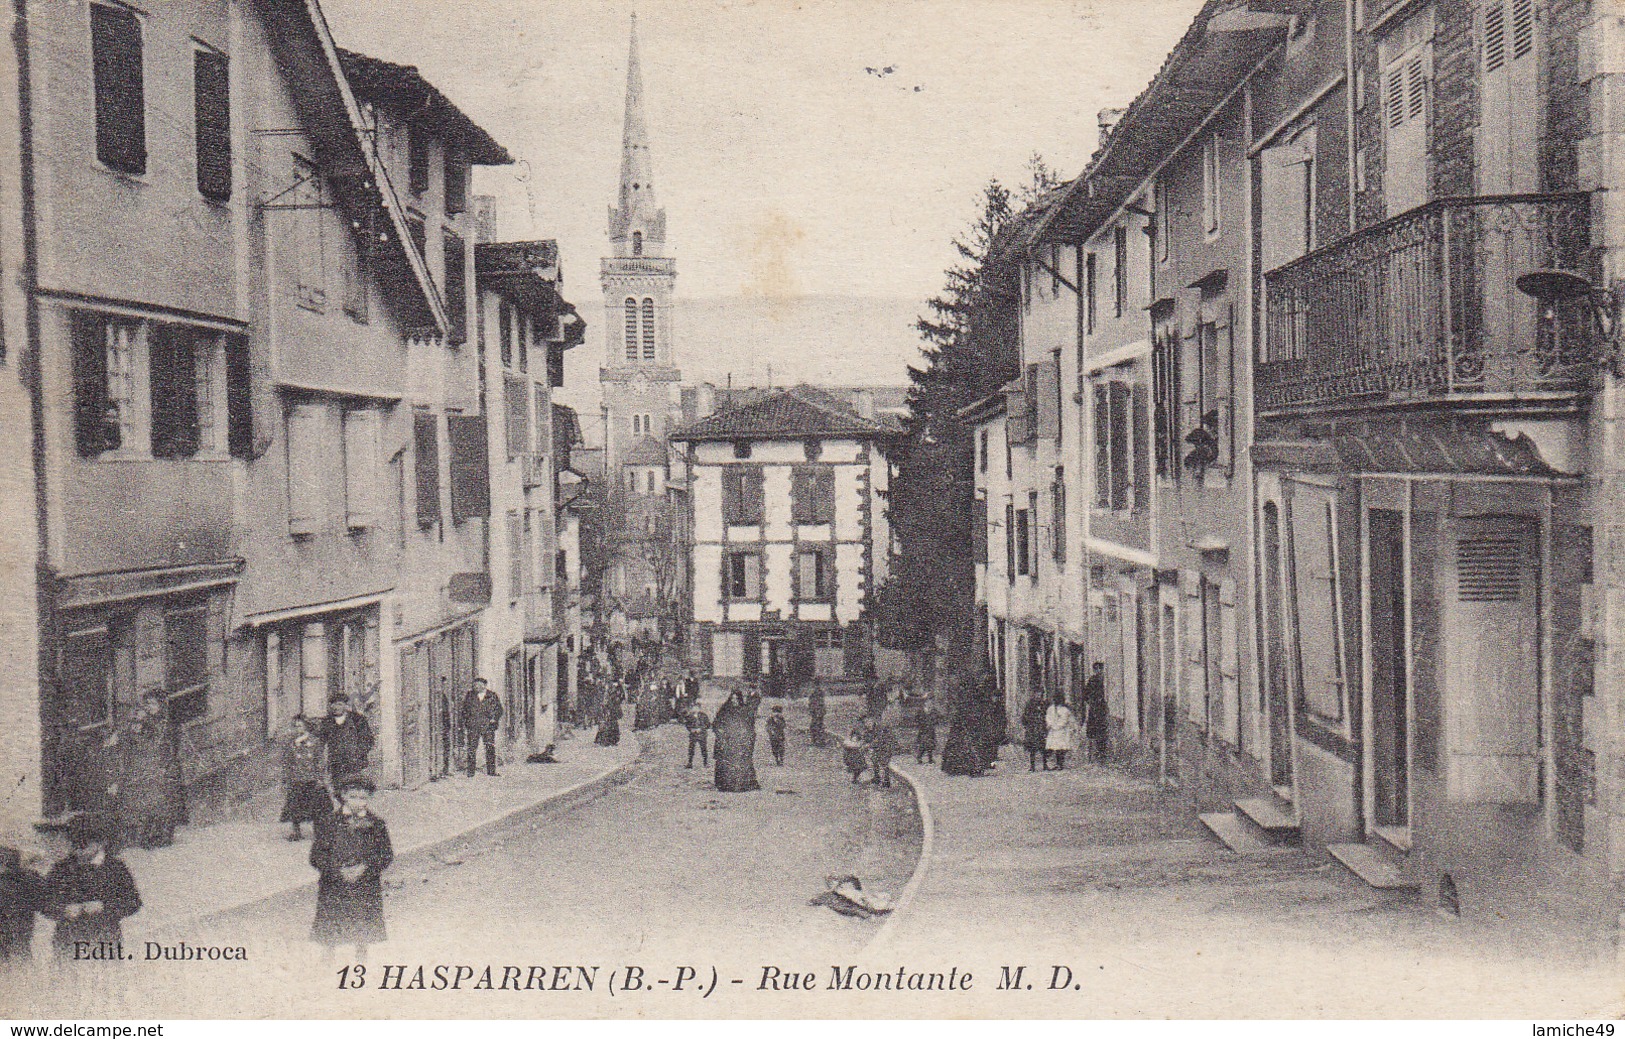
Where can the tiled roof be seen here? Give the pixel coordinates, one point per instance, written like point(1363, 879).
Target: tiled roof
point(802, 411)
point(646, 451)
point(403, 87)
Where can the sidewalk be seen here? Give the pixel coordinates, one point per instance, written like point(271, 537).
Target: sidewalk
point(1099, 872)
point(212, 869)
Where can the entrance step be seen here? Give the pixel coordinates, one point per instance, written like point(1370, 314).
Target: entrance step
point(1376, 869)
point(1277, 823)
point(1396, 838)
point(1235, 834)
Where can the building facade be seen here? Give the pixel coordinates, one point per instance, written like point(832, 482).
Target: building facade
point(789, 537)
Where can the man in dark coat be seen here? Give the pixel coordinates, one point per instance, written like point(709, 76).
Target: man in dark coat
point(925, 733)
point(882, 748)
point(350, 852)
point(699, 731)
point(482, 712)
point(1094, 711)
point(348, 737)
point(22, 894)
point(91, 891)
point(815, 714)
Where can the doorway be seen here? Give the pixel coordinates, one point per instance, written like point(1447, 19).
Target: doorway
point(1390, 689)
point(1278, 695)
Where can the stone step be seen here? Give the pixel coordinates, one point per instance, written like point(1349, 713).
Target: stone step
point(1278, 823)
point(1374, 868)
point(1233, 833)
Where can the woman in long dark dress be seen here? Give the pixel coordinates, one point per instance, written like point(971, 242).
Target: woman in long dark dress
point(962, 753)
point(609, 730)
point(151, 798)
point(1035, 731)
point(735, 746)
point(350, 852)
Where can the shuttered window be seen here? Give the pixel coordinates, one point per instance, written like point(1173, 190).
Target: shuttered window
point(121, 128)
point(1023, 547)
point(96, 426)
point(812, 494)
point(470, 479)
point(456, 182)
point(456, 287)
point(1047, 397)
point(505, 332)
point(1103, 446)
point(516, 422)
point(814, 576)
point(239, 398)
point(1057, 494)
point(426, 464)
point(307, 468)
point(172, 355)
point(742, 576)
point(417, 160)
point(742, 495)
point(1010, 541)
point(211, 103)
point(1121, 471)
point(648, 329)
point(516, 554)
point(541, 435)
point(362, 493)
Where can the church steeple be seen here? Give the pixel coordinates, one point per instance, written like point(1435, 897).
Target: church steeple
point(637, 227)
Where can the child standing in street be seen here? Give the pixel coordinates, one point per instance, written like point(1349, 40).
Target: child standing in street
point(350, 851)
point(304, 769)
point(775, 734)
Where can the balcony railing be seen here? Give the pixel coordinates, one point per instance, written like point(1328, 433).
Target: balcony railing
point(1424, 308)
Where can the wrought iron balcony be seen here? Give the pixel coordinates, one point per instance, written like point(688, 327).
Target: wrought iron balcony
point(1423, 309)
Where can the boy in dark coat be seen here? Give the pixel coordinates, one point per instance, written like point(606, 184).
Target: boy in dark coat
point(699, 731)
point(348, 738)
point(882, 747)
point(89, 892)
point(350, 852)
point(22, 894)
point(775, 734)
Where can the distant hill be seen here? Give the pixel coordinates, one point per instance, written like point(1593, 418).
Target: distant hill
point(834, 340)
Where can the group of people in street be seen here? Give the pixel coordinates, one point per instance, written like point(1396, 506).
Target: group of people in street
point(871, 745)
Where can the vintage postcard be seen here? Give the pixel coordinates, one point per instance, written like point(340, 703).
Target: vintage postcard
point(846, 509)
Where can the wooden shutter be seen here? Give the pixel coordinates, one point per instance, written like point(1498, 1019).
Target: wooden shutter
point(752, 502)
point(1118, 423)
point(505, 332)
point(1010, 541)
point(979, 530)
point(121, 129)
point(801, 509)
point(457, 288)
point(361, 468)
point(239, 398)
point(417, 159)
point(172, 373)
point(92, 430)
point(1047, 380)
point(1139, 435)
point(211, 103)
point(456, 182)
point(1227, 716)
point(1103, 447)
point(426, 463)
point(470, 479)
point(306, 468)
point(516, 420)
point(1312, 588)
point(732, 493)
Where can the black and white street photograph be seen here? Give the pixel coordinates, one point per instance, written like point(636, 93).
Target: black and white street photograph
point(782, 510)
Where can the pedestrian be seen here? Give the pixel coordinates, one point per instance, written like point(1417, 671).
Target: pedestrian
point(882, 748)
point(350, 852)
point(855, 749)
point(815, 715)
point(698, 724)
point(482, 713)
point(22, 894)
point(775, 734)
point(1035, 733)
point(348, 737)
point(925, 733)
point(304, 775)
point(90, 892)
point(1094, 712)
point(609, 727)
point(735, 744)
point(962, 751)
point(1061, 735)
point(151, 798)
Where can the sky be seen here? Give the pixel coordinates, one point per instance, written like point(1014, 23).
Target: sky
point(790, 163)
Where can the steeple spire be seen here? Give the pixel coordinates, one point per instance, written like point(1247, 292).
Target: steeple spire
point(636, 225)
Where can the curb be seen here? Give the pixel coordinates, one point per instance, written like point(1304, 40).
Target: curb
point(927, 841)
point(558, 802)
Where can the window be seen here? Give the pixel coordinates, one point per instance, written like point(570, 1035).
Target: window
point(741, 448)
point(637, 243)
point(102, 369)
point(456, 287)
point(742, 495)
point(1057, 504)
point(742, 576)
point(417, 160)
point(505, 333)
point(1022, 543)
point(308, 466)
point(516, 417)
point(211, 105)
point(1165, 398)
point(1122, 462)
point(1032, 534)
point(363, 494)
point(1407, 60)
point(239, 398)
point(631, 329)
point(85, 670)
point(522, 329)
point(1210, 184)
point(121, 126)
point(470, 477)
point(1119, 269)
point(1091, 288)
point(814, 576)
point(1010, 541)
point(426, 466)
point(357, 246)
point(1215, 406)
point(812, 494)
point(648, 329)
point(175, 359)
point(186, 660)
point(456, 172)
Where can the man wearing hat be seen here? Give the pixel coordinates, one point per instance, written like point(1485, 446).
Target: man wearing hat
point(350, 852)
point(89, 892)
point(482, 712)
point(348, 738)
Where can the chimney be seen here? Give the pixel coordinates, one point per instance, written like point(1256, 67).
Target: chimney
point(485, 218)
point(863, 402)
point(1107, 119)
point(705, 400)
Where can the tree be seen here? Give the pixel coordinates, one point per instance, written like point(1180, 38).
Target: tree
point(971, 349)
